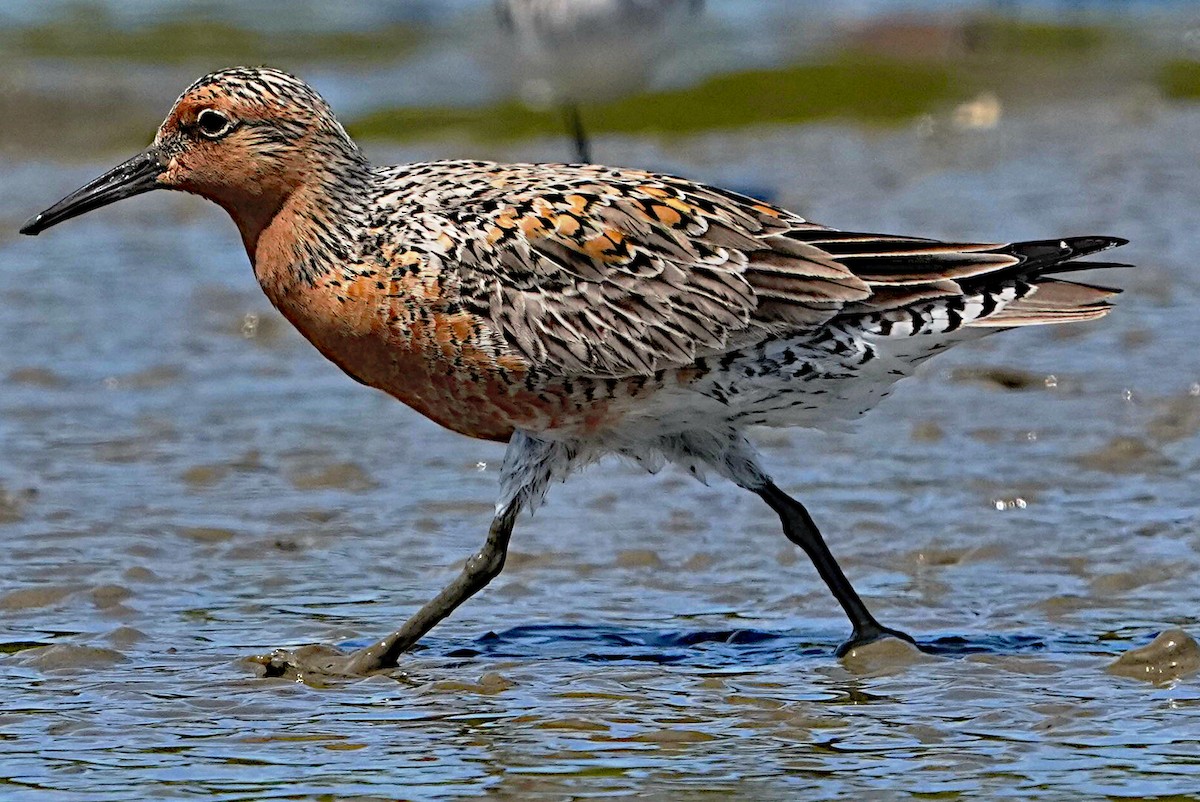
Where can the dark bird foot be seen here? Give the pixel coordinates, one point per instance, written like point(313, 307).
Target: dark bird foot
point(862, 636)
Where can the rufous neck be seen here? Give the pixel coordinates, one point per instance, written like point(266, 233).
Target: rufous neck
point(315, 230)
point(324, 181)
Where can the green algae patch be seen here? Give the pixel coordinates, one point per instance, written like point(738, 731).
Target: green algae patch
point(879, 92)
point(1180, 79)
point(91, 34)
point(868, 91)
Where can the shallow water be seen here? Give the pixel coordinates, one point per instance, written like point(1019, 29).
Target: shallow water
point(184, 483)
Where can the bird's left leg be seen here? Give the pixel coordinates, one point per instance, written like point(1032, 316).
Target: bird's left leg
point(481, 568)
point(529, 466)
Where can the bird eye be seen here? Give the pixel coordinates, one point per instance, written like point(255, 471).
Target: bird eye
point(213, 124)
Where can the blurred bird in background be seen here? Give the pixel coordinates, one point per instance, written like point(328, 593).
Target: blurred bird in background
point(568, 53)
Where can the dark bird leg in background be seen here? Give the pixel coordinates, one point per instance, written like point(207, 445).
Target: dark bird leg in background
point(583, 148)
point(799, 527)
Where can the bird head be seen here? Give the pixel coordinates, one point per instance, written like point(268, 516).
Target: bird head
point(245, 138)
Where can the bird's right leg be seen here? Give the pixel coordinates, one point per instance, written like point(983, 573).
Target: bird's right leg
point(731, 454)
point(799, 528)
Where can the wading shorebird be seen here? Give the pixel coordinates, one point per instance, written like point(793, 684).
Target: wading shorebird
point(579, 311)
point(572, 52)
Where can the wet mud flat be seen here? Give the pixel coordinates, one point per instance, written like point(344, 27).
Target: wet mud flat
point(184, 484)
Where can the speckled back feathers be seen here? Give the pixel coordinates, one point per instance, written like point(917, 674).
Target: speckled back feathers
point(597, 271)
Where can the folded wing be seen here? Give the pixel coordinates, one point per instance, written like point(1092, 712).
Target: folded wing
point(602, 272)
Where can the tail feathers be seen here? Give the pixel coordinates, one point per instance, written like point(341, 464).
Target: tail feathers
point(1046, 300)
point(928, 287)
point(1051, 301)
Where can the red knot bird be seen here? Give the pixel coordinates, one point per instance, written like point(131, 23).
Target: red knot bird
point(579, 311)
point(571, 52)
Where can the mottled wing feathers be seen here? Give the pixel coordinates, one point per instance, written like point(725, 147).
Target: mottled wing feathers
point(613, 273)
point(588, 270)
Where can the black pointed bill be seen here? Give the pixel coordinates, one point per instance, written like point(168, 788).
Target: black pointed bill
point(139, 174)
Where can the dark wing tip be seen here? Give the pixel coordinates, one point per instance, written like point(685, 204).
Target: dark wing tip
point(33, 226)
point(1094, 244)
point(1049, 255)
